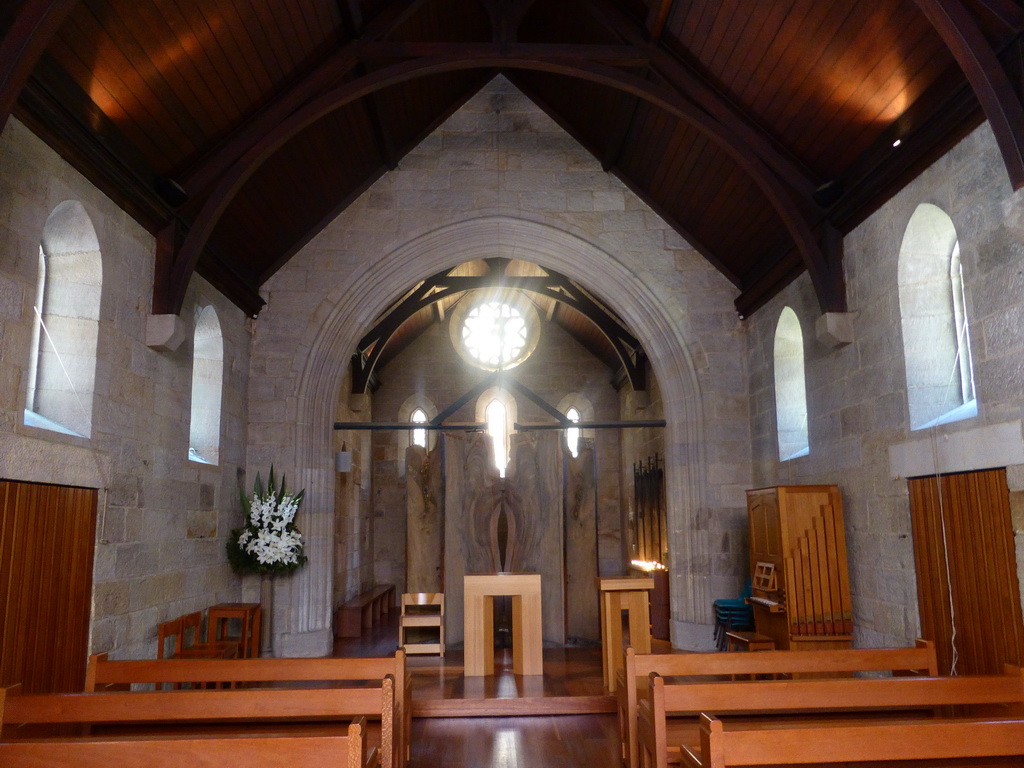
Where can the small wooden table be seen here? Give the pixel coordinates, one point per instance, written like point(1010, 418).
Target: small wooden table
point(248, 613)
point(527, 641)
point(749, 641)
point(617, 595)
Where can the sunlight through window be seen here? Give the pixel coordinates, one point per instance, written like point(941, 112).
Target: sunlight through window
point(496, 428)
point(495, 334)
point(419, 436)
point(572, 435)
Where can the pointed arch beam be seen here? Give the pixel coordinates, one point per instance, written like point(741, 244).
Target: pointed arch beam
point(34, 24)
point(790, 207)
point(553, 286)
point(1001, 102)
point(326, 75)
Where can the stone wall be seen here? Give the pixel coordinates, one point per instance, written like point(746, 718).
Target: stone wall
point(162, 519)
point(858, 414)
point(500, 179)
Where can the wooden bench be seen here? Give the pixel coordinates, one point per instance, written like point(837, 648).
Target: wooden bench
point(102, 674)
point(346, 747)
point(638, 667)
point(942, 739)
point(661, 739)
point(364, 611)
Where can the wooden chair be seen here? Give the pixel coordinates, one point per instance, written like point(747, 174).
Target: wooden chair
point(195, 647)
point(170, 638)
point(422, 610)
point(248, 615)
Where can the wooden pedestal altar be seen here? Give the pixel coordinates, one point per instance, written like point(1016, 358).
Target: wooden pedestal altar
point(479, 591)
point(618, 595)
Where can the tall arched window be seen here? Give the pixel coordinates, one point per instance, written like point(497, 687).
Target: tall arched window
point(572, 435)
point(497, 409)
point(419, 436)
point(790, 387)
point(934, 319)
point(207, 388)
point(62, 366)
point(497, 428)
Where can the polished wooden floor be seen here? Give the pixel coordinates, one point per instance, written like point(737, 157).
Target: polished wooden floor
point(563, 719)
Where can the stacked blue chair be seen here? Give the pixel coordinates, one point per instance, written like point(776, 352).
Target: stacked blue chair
point(732, 614)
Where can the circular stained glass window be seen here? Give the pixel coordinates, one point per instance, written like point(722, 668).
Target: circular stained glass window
point(495, 334)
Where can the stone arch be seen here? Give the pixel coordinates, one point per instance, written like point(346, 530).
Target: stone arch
point(335, 327)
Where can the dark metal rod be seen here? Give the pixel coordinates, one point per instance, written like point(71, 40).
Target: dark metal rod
point(591, 425)
point(378, 426)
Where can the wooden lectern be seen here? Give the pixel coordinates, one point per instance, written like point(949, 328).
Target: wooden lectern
point(617, 595)
point(479, 591)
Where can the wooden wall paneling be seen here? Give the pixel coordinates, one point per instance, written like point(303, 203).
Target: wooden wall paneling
point(425, 524)
point(469, 501)
point(47, 535)
point(986, 609)
point(535, 486)
point(932, 590)
point(581, 601)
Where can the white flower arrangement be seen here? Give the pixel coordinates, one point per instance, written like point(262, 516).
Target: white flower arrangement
point(269, 542)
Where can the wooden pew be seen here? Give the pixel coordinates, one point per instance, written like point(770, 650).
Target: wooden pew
point(659, 738)
point(346, 747)
point(103, 674)
point(200, 714)
point(638, 667)
point(943, 739)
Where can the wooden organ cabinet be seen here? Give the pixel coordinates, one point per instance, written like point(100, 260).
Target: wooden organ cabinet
point(801, 585)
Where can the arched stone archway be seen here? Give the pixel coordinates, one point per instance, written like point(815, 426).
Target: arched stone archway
point(345, 313)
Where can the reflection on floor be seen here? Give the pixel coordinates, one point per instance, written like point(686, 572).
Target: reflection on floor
point(563, 719)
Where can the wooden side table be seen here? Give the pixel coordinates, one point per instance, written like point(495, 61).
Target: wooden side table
point(219, 615)
point(749, 641)
point(479, 591)
point(617, 595)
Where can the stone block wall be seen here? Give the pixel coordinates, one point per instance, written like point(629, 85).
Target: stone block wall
point(857, 394)
point(162, 520)
point(499, 178)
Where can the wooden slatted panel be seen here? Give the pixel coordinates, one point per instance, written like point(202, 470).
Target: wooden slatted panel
point(47, 536)
point(177, 75)
point(825, 78)
point(982, 569)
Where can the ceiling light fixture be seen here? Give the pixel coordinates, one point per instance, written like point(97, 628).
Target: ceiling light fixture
point(897, 143)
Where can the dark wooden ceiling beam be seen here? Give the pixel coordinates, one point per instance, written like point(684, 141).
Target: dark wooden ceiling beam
point(613, 55)
point(1008, 12)
point(619, 131)
point(991, 84)
point(35, 22)
point(657, 18)
point(442, 285)
point(352, 21)
point(788, 206)
point(700, 91)
point(794, 205)
point(506, 17)
point(338, 64)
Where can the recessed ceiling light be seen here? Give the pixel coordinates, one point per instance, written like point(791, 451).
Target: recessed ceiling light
point(897, 142)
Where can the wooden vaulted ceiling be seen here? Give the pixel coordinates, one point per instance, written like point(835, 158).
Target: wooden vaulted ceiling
point(761, 130)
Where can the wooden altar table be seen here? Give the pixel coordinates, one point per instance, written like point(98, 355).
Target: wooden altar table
point(527, 641)
point(618, 595)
